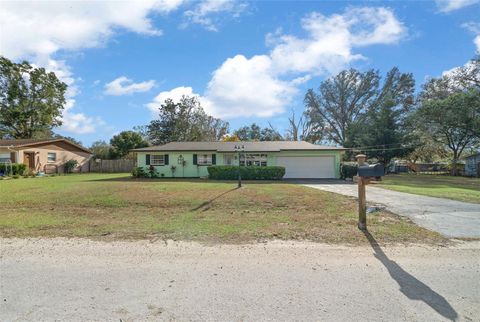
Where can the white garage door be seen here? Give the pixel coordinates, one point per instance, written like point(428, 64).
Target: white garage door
point(308, 167)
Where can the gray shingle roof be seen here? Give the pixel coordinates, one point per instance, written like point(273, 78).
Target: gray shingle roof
point(261, 146)
point(29, 142)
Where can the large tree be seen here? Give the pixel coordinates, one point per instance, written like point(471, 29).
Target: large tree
point(249, 132)
point(185, 121)
point(31, 100)
point(383, 135)
point(383, 130)
point(456, 80)
point(343, 100)
point(101, 150)
point(452, 122)
point(308, 127)
point(358, 109)
point(125, 141)
point(254, 132)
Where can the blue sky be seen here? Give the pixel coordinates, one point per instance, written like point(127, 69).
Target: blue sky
point(246, 61)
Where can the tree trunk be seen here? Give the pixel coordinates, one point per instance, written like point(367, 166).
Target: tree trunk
point(454, 170)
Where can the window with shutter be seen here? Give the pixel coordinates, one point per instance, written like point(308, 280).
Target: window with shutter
point(204, 159)
point(156, 159)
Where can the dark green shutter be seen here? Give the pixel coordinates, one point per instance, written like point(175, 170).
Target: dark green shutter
point(214, 159)
point(147, 159)
point(194, 159)
point(166, 159)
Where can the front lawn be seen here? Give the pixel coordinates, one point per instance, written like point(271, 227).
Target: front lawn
point(115, 206)
point(456, 188)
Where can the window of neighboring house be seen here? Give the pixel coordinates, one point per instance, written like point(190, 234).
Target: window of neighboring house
point(4, 157)
point(204, 159)
point(253, 159)
point(52, 157)
point(157, 159)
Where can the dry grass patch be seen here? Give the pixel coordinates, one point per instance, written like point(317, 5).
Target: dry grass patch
point(116, 206)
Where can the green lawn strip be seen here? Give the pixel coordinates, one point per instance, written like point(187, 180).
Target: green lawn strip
point(455, 188)
point(118, 207)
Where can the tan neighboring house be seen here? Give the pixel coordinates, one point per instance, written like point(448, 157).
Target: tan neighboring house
point(47, 155)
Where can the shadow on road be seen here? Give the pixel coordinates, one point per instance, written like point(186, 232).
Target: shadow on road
point(410, 286)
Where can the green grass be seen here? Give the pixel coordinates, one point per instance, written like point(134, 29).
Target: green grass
point(456, 188)
point(115, 206)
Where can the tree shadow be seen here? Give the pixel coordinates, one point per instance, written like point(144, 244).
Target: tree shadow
point(209, 202)
point(410, 286)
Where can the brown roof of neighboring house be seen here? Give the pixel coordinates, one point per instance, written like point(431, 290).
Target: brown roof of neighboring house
point(260, 146)
point(17, 143)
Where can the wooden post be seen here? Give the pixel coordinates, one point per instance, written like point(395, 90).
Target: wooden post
point(362, 200)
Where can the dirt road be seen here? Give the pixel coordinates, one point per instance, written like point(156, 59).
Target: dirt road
point(75, 279)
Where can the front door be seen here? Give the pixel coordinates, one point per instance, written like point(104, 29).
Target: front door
point(29, 159)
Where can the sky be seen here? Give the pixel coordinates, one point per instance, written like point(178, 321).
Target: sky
point(246, 61)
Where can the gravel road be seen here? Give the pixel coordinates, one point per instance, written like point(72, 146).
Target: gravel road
point(79, 280)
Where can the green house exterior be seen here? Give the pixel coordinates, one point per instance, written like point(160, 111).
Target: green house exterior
point(301, 160)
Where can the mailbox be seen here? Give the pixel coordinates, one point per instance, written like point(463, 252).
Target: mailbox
point(372, 170)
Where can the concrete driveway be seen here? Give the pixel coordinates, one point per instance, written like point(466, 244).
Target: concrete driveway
point(448, 217)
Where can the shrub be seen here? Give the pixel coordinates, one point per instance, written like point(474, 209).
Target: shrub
point(348, 170)
point(138, 172)
point(17, 168)
point(227, 172)
point(70, 165)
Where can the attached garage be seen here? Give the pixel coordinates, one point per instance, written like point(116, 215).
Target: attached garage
point(311, 167)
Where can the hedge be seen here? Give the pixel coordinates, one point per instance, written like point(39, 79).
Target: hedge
point(17, 168)
point(227, 172)
point(348, 170)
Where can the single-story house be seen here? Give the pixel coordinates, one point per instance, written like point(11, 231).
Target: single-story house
point(472, 165)
point(301, 160)
point(45, 155)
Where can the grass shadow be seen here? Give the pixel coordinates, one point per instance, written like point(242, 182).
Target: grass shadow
point(208, 202)
point(410, 286)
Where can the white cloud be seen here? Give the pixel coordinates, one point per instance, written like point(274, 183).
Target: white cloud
point(244, 87)
point(174, 94)
point(77, 123)
point(203, 12)
point(36, 31)
point(124, 86)
point(264, 85)
point(42, 28)
point(475, 28)
point(452, 5)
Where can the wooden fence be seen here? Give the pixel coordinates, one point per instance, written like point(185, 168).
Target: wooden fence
point(121, 165)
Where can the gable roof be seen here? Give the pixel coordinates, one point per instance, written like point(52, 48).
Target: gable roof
point(260, 146)
point(20, 143)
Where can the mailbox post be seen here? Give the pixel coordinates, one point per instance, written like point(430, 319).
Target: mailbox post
point(362, 199)
point(365, 174)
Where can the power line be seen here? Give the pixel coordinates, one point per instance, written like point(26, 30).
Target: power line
point(389, 149)
point(372, 146)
